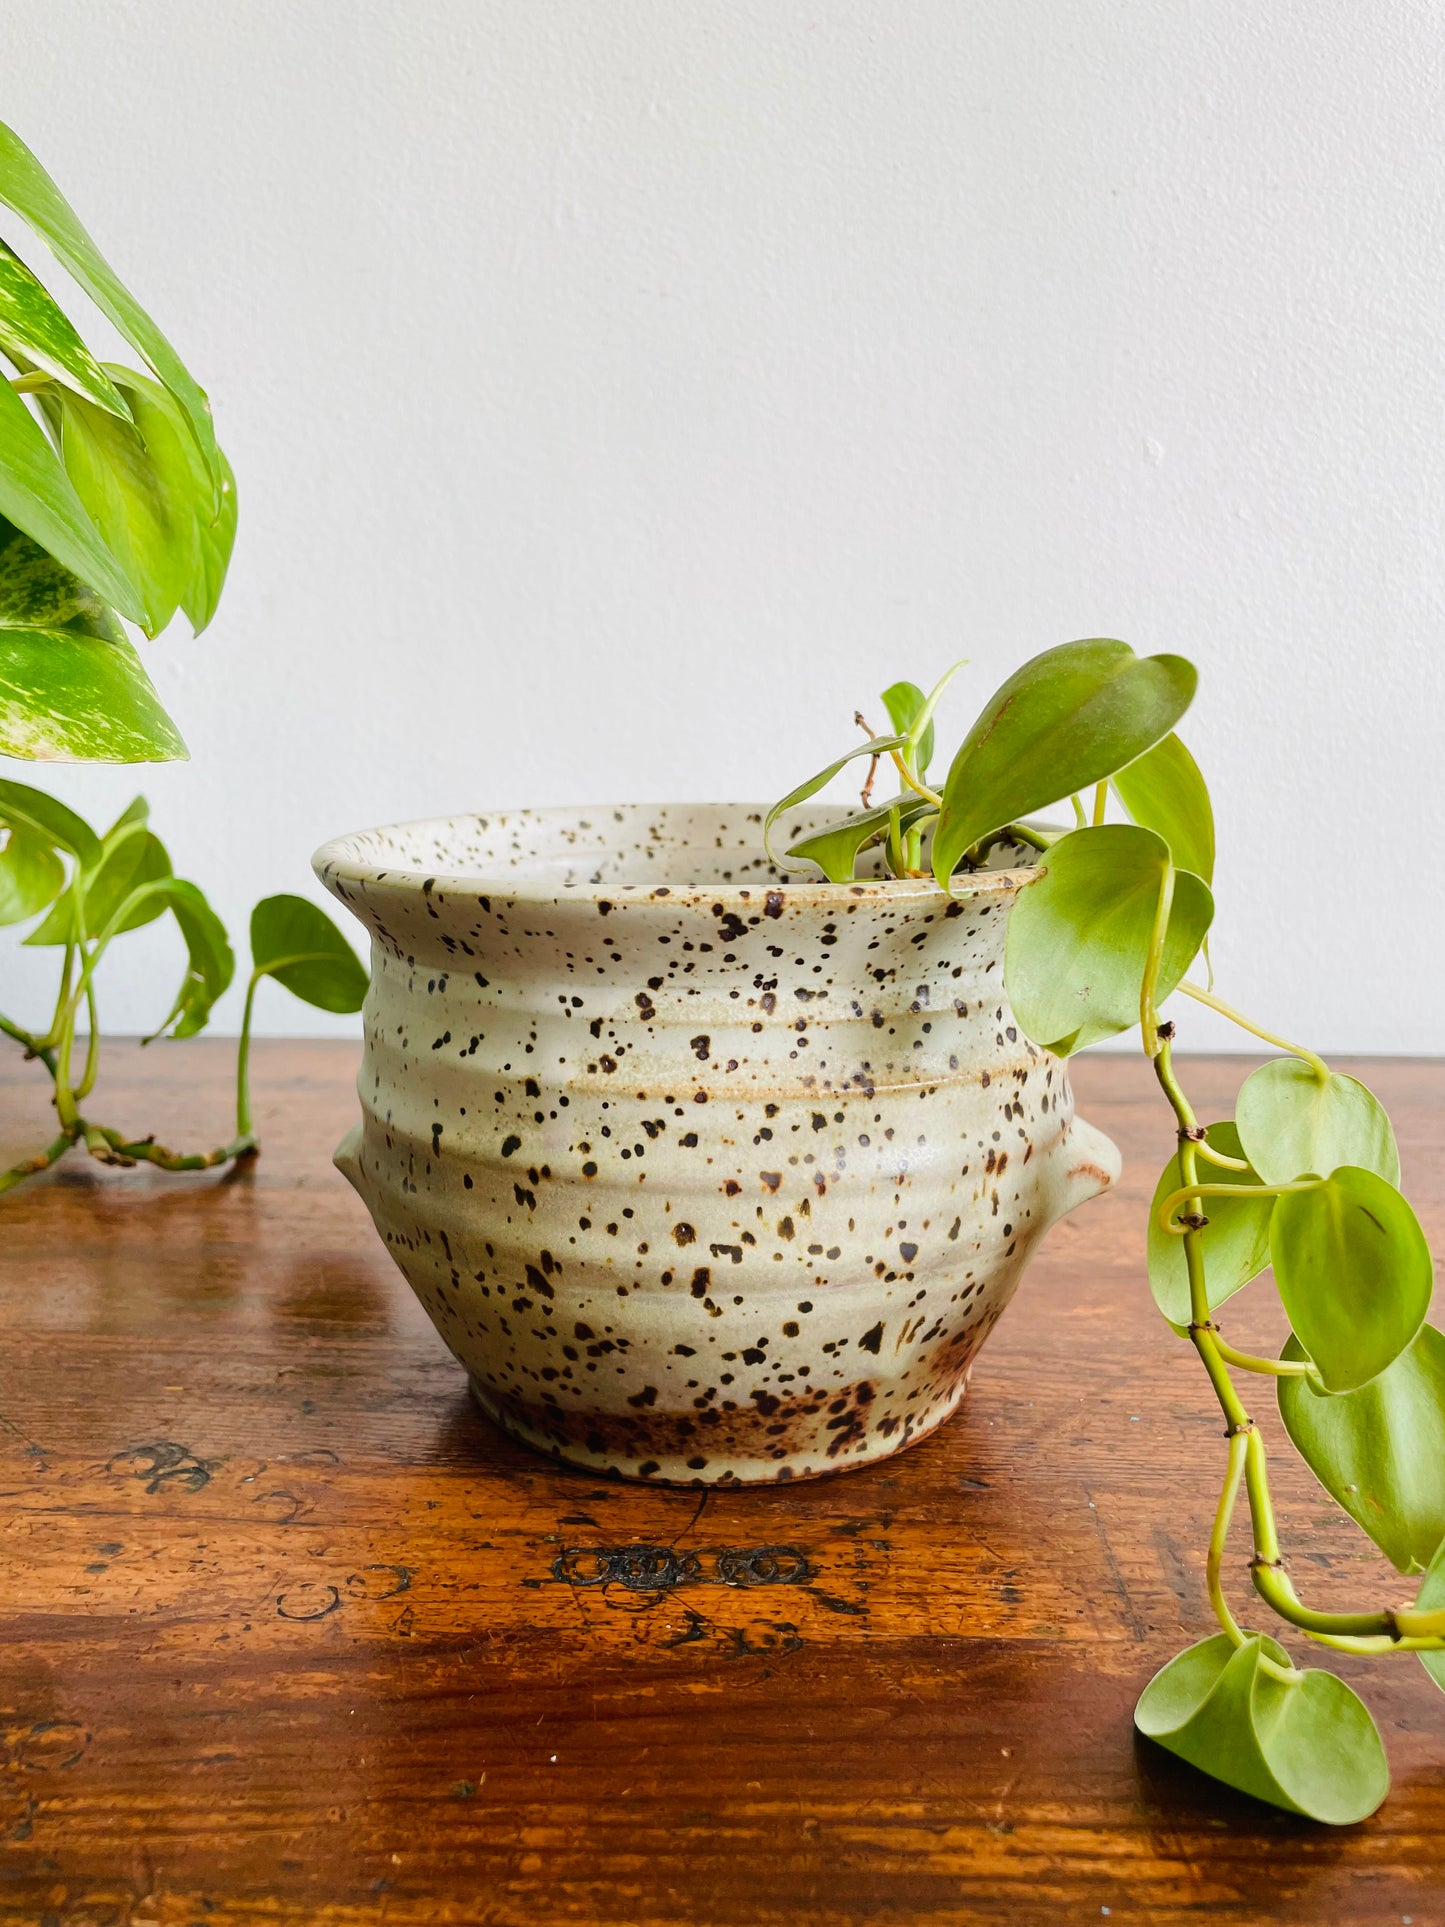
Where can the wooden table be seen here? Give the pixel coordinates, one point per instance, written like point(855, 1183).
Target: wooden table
point(290, 1634)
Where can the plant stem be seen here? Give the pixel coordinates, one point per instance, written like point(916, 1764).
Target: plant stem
point(1101, 800)
point(1271, 1581)
point(33, 1045)
point(1238, 1446)
point(1081, 821)
point(42, 1161)
point(1316, 1063)
point(1164, 1216)
point(913, 783)
point(243, 1061)
point(1269, 1367)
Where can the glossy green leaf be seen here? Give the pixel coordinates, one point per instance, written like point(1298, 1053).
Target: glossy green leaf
point(31, 874)
point(905, 702)
point(37, 495)
point(876, 746)
point(36, 333)
point(1309, 1746)
point(1380, 1451)
point(1430, 1598)
point(210, 964)
point(72, 698)
point(836, 849)
point(1234, 1244)
point(1354, 1274)
point(1164, 791)
point(147, 489)
point(298, 944)
point(1065, 720)
point(133, 855)
point(1291, 1123)
point(1078, 938)
point(26, 808)
point(28, 189)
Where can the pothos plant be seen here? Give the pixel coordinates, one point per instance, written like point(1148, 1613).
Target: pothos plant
point(116, 505)
point(1304, 1179)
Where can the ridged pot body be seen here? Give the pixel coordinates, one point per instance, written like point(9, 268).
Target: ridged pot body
point(704, 1182)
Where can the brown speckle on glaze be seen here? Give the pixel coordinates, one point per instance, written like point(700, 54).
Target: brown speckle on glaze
point(582, 1073)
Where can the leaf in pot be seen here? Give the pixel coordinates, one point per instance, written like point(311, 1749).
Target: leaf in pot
point(1234, 1244)
point(146, 487)
point(1164, 791)
point(904, 702)
point(1354, 1274)
point(836, 850)
point(31, 874)
point(1380, 1451)
point(1065, 720)
point(28, 189)
point(1078, 937)
point(26, 808)
point(37, 495)
point(876, 746)
point(1292, 1122)
point(1430, 1598)
point(1308, 1746)
point(298, 944)
point(210, 964)
point(36, 331)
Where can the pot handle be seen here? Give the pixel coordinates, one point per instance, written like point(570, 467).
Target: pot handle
point(347, 1157)
point(1092, 1164)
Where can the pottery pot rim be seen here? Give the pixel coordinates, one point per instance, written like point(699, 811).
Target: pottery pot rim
point(336, 861)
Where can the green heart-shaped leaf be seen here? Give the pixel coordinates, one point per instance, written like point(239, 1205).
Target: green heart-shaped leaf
point(36, 332)
point(148, 490)
point(877, 746)
point(1234, 1244)
point(836, 849)
point(31, 874)
point(1164, 791)
point(1380, 1451)
point(25, 808)
point(1309, 1746)
point(1292, 1122)
point(210, 964)
point(133, 855)
point(1354, 1274)
point(905, 702)
point(298, 944)
point(1068, 718)
point(1430, 1598)
point(1078, 937)
point(28, 189)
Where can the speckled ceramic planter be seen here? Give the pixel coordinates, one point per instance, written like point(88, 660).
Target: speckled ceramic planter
point(704, 1176)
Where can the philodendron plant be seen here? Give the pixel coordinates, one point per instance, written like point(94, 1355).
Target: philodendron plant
point(1305, 1178)
point(116, 504)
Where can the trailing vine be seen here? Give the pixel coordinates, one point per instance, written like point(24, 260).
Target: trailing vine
point(1303, 1180)
point(82, 892)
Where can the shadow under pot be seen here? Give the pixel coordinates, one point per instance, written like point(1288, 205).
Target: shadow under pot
point(703, 1175)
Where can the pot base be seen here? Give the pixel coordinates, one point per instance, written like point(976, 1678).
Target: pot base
point(723, 1470)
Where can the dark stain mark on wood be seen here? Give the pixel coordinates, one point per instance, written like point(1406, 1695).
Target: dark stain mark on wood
point(662, 1569)
point(164, 1465)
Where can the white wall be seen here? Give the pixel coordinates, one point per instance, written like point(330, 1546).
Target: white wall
point(621, 392)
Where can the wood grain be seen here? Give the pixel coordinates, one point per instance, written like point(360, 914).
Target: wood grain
point(290, 1634)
